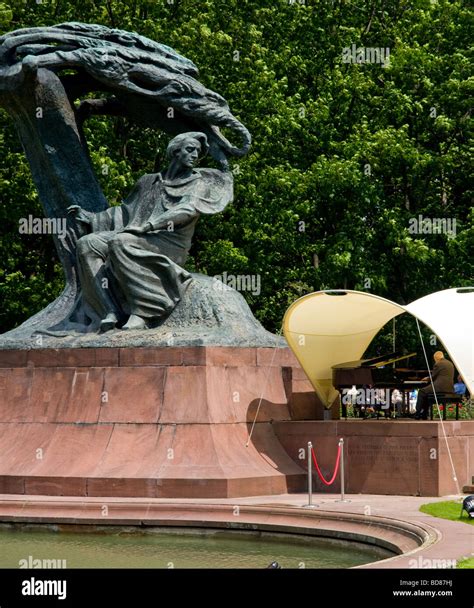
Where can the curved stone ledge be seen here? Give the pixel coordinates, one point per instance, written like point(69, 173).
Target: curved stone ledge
point(400, 537)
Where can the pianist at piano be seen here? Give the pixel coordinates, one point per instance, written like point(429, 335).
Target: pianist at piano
point(442, 378)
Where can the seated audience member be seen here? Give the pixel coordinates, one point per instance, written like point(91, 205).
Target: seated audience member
point(460, 387)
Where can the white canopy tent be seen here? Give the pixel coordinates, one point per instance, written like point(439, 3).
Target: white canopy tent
point(326, 328)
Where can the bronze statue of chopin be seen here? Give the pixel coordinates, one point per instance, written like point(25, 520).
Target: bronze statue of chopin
point(131, 262)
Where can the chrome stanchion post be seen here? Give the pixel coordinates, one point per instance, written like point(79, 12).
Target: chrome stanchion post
point(310, 478)
point(341, 445)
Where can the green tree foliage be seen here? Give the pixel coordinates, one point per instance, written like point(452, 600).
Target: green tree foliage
point(343, 156)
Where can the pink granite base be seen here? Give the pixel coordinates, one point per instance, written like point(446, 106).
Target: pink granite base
point(150, 422)
point(174, 423)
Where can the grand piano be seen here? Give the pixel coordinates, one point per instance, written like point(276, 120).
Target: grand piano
point(378, 373)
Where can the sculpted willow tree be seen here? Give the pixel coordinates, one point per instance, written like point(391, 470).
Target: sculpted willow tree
point(43, 71)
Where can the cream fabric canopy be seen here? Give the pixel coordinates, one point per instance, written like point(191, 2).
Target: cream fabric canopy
point(330, 327)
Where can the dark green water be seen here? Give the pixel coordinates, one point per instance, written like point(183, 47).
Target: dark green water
point(183, 548)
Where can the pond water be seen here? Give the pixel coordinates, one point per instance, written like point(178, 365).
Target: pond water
point(113, 547)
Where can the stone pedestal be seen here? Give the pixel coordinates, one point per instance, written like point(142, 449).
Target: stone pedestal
point(173, 422)
point(149, 422)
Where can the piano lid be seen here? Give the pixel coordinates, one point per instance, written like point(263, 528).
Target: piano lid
point(375, 361)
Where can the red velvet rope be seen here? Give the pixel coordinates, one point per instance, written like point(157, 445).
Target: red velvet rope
point(338, 458)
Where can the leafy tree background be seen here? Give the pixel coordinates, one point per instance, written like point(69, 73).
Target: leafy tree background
point(343, 154)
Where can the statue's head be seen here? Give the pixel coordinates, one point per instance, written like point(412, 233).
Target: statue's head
point(187, 148)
